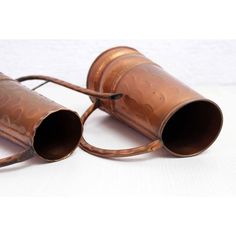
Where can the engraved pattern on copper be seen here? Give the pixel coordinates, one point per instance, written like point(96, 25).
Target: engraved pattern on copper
point(28, 119)
point(154, 103)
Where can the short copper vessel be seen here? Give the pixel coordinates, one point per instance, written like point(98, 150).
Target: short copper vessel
point(42, 127)
point(154, 103)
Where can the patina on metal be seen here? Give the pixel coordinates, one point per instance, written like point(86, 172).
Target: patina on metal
point(41, 126)
point(154, 103)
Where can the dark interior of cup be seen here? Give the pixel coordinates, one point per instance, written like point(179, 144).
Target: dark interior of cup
point(58, 135)
point(193, 128)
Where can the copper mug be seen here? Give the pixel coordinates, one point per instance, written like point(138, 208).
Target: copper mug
point(154, 103)
point(39, 125)
point(42, 127)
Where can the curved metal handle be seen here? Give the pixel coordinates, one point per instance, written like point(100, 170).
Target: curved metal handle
point(70, 86)
point(16, 158)
point(106, 153)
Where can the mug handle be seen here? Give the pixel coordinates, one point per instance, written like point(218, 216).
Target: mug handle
point(74, 87)
point(16, 158)
point(106, 153)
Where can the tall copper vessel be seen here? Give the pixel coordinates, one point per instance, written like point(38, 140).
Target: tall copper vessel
point(42, 127)
point(154, 103)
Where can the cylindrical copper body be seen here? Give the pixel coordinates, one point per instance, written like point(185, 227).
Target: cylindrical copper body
point(154, 102)
point(32, 120)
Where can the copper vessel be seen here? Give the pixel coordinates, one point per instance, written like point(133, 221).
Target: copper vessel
point(154, 103)
point(42, 127)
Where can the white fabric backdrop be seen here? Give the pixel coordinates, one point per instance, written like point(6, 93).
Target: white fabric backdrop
point(192, 61)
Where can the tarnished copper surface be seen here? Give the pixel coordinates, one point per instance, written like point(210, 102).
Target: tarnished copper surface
point(38, 124)
point(153, 102)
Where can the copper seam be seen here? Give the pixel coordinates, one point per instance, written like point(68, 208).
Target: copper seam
point(102, 54)
point(103, 69)
point(11, 128)
point(111, 61)
point(14, 138)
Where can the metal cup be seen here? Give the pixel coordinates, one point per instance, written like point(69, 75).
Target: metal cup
point(41, 126)
point(154, 103)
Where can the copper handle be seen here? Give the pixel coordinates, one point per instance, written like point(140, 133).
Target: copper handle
point(16, 158)
point(71, 86)
point(106, 153)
